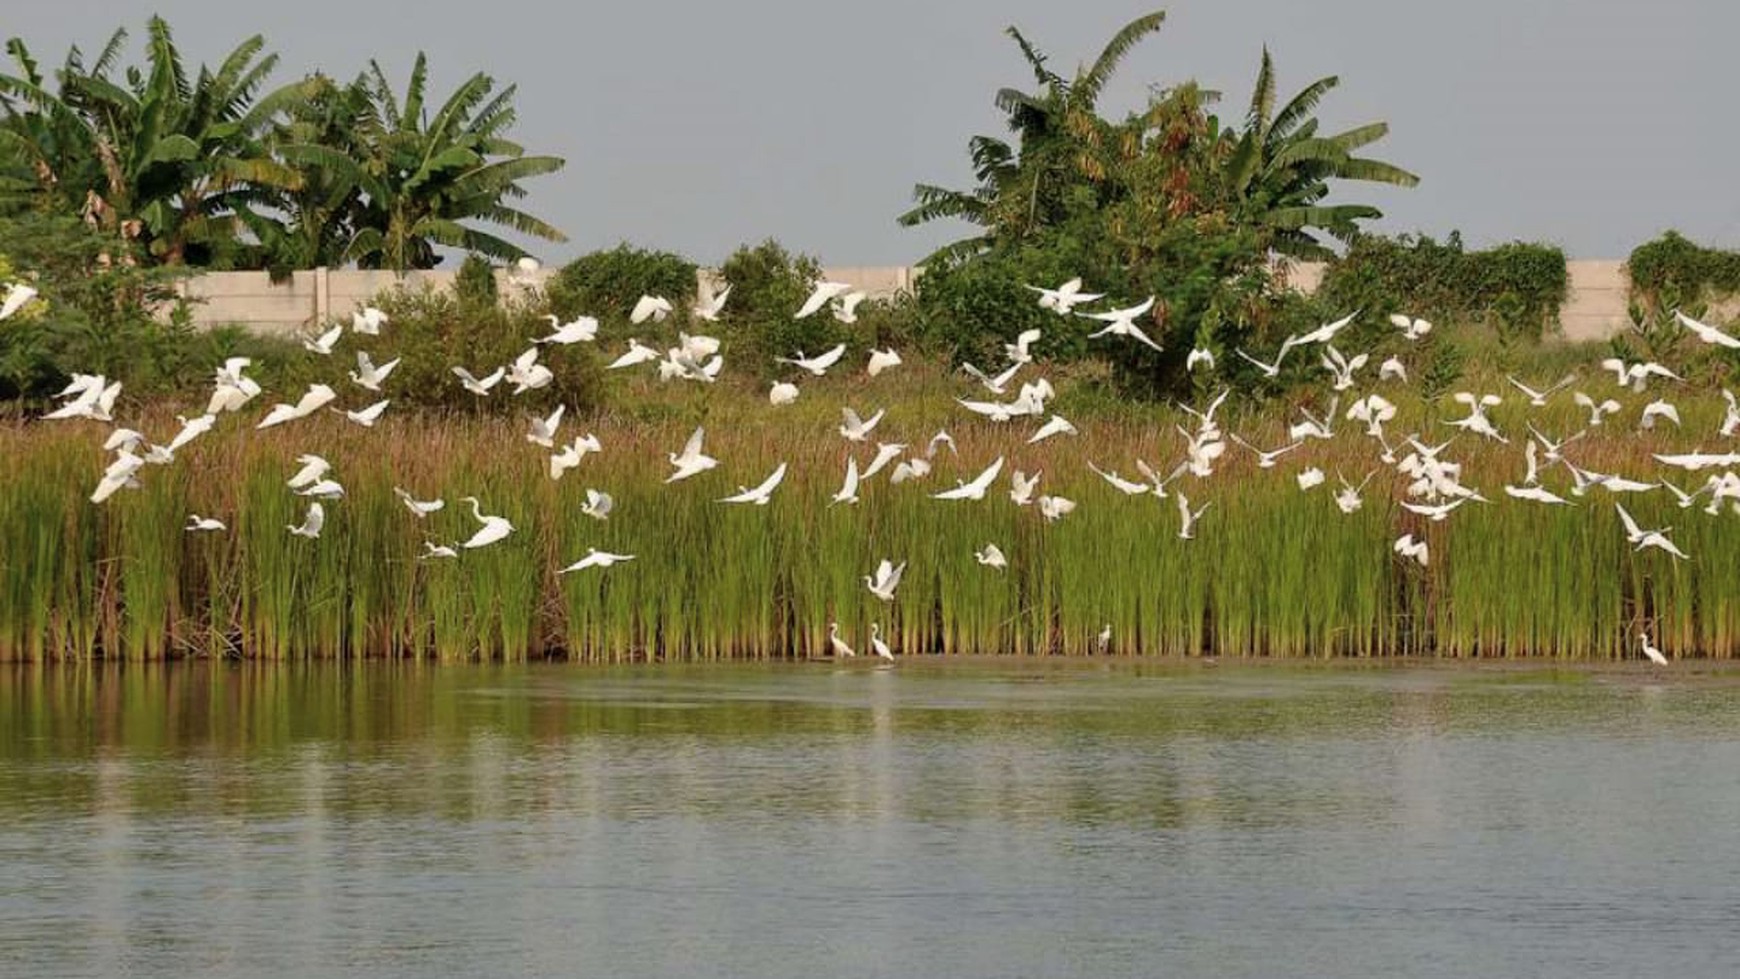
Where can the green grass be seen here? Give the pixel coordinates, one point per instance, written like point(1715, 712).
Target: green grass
point(1273, 571)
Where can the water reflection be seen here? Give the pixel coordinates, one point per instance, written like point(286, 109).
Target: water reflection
point(976, 820)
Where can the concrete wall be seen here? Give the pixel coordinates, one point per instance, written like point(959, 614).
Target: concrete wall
point(1594, 309)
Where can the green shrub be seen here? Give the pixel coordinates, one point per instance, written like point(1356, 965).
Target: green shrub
point(1673, 269)
point(606, 284)
point(433, 331)
point(768, 284)
point(1517, 287)
point(103, 311)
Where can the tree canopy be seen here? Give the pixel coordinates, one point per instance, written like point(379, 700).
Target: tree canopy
point(210, 167)
point(1169, 200)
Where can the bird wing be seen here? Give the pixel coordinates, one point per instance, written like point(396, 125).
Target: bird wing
point(692, 448)
point(1632, 530)
point(767, 486)
point(824, 361)
point(986, 478)
point(1707, 333)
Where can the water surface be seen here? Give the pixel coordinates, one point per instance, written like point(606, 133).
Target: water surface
point(974, 820)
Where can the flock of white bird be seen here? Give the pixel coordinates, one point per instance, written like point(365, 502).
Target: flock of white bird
point(1434, 483)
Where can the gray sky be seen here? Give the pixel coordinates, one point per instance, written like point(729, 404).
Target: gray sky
point(695, 126)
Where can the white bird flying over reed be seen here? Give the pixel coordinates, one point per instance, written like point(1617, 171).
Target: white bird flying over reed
point(598, 504)
point(638, 353)
point(418, 508)
point(709, 307)
point(1055, 425)
point(1412, 327)
point(368, 375)
point(323, 343)
point(991, 556)
point(1707, 333)
point(596, 558)
point(1538, 398)
point(544, 429)
point(311, 524)
point(885, 580)
point(881, 360)
point(366, 417)
point(14, 298)
point(494, 528)
point(1187, 517)
point(817, 365)
point(855, 429)
point(480, 386)
point(760, 495)
point(976, 489)
point(368, 321)
point(317, 397)
point(691, 461)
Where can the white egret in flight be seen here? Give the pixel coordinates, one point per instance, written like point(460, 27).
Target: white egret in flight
point(885, 580)
point(311, 524)
point(654, 308)
point(494, 528)
point(760, 495)
point(817, 365)
point(596, 558)
point(1065, 297)
point(855, 429)
point(480, 386)
point(691, 461)
point(418, 508)
point(368, 375)
point(823, 294)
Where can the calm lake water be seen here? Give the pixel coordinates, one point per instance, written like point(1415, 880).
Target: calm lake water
point(976, 820)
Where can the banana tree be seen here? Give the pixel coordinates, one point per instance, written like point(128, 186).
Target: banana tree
point(427, 179)
point(1278, 170)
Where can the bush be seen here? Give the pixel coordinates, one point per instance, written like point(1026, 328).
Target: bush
point(101, 311)
point(1517, 287)
point(1207, 288)
point(768, 284)
point(607, 284)
point(1674, 269)
point(433, 331)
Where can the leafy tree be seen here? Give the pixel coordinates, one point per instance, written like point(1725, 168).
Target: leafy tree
point(1165, 202)
point(210, 168)
point(178, 157)
point(1024, 189)
point(423, 177)
point(1279, 170)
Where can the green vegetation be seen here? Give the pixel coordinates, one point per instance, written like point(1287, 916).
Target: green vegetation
point(1170, 201)
point(1273, 571)
point(1673, 269)
point(104, 309)
point(1516, 288)
point(209, 168)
